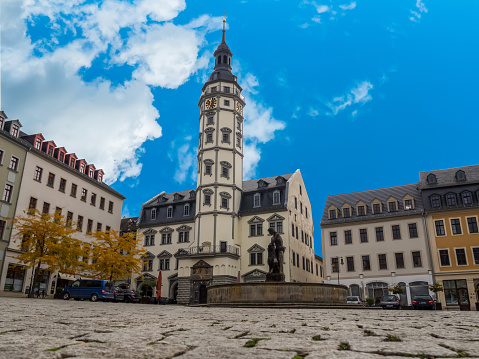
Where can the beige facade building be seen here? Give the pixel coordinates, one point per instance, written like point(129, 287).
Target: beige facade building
point(217, 233)
point(374, 240)
point(54, 180)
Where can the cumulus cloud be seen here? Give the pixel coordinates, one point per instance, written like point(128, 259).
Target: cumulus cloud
point(421, 8)
point(326, 10)
point(321, 8)
point(348, 6)
point(185, 154)
point(357, 95)
point(104, 122)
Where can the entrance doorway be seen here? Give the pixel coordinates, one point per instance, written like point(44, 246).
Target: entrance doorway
point(456, 293)
point(203, 294)
point(377, 290)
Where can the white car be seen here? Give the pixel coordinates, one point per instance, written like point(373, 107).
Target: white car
point(354, 300)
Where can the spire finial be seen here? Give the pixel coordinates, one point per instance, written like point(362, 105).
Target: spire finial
point(224, 25)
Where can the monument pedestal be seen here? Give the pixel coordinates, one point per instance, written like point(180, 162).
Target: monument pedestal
point(275, 277)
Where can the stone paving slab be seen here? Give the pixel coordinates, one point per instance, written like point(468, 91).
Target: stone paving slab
point(38, 328)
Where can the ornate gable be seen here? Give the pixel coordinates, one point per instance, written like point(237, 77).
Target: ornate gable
point(148, 254)
point(183, 228)
point(256, 248)
point(201, 264)
point(167, 230)
point(275, 217)
point(165, 254)
point(256, 219)
point(150, 231)
point(254, 273)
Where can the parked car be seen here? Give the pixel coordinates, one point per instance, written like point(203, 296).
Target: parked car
point(129, 296)
point(354, 300)
point(422, 302)
point(92, 289)
point(118, 294)
point(390, 302)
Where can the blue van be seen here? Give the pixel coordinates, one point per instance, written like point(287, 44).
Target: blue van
point(92, 289)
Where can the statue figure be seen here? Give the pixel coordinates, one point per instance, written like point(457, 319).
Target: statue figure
point(275, 257)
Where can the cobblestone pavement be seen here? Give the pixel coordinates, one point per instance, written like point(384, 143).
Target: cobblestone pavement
point(41, 328)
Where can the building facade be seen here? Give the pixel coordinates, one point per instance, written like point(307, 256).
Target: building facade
point(374, 240)
point(217, 232)
point(451, 199)
point(55, 180)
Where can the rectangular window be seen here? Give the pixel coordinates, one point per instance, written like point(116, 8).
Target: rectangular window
point(209, 137)
point(79, 223)
point(292, 229)
point(169, 212)
point(392, 206)
point(209, 121)
point(257, 200)
point(63, 184)
point(89, 226)
point(102, 203)
point(379, 234)
point(475, 255)
point(461, 257)
point(294, 258)
point(207, 169)
point(252, 230)
point(93, 199)
point(238, 141)
point(46, 208)
point(227, 102)
point(186, 210)
point(334, 238)
point(15, 129)
point(2, 229)
point(297, 236)
point(69, 218)
point(472, 224)
point(332, 214)
point(301, 207)
point(376, 208)
point(408, 204)
point(366, 263)
point(51, 179)
point(1, 152)
point(73, 191)
point(259, 229)
point(467, 198)
point(83, 194)
point(440, 230)
point(383, 264)
point(98, 227)
point(456, 226)
point(38, 174)
point(276, 197)
point(302, 236)
point(238, 125)
point(14, 161)
point(225, 172)
point(346, 213)
point(350, 263)
point(7, 193)
point(207, 199)
point(107, 229)
point(252, 259)
point(412, 230)
point(396, 232)
point(306, 211)
point(227, 89)
point(348, 238)
point(224, 202)
point(334, 264)
point(399, 260)
point(226, 137)
point(110, 207)
point(416, 259)
point(363, 235)
point(361, 211)
point(444, 257)
point(297, 260)
point(33, 204)
point(295, 203)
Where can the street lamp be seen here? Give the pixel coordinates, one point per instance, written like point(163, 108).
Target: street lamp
point(342, 263)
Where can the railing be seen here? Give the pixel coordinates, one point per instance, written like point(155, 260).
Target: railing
point(223, 89)
point(208, 251)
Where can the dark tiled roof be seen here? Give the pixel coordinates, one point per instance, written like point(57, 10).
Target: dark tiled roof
point(252, 185)
point(447, 177)
point(382, 194)
point(128, 224)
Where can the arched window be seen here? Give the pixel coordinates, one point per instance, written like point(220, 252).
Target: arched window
point(225, 61)
point(153, 213)
point(257, 200)
point(431, 178)
point(451, 199)
point(460, 176)
point(169, 212)
point(219, 59)
point(276, 197)
point(186, 210)
point(435, 201)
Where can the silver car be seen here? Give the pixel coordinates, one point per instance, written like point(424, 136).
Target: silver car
point(354, 300)
point(390, 302)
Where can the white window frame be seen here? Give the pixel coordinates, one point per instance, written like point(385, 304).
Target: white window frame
point(472, 251)
point(465, 253)
point(257, 198)
point(186, 210)
point(2, 155)
point(467, 224)
point(460, 223)
point(443, 223)
point(16, 165)
point(169, 212)
point(11, 187)
point(276, 193)
point(439, 257)
point(153, 214)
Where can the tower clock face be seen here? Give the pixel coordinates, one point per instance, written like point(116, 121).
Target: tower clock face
point(210, 103)
point(239, 108)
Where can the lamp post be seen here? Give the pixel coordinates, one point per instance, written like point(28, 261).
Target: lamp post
point(342, 262)
point(361, 276)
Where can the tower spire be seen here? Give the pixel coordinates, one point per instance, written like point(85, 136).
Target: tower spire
point(224, 31)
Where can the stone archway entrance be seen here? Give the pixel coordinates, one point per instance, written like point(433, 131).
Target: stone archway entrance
point(203, 297)
point(200, 280)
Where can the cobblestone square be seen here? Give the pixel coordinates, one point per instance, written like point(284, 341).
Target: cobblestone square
point(42, 328)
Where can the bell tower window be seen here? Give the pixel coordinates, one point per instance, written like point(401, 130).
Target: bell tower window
point(219, 59)
point(224, 59)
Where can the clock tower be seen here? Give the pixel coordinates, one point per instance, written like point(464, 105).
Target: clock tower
point(220, 158)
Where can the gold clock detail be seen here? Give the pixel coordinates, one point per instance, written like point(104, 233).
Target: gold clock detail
point(239, 108)
point(210, 103)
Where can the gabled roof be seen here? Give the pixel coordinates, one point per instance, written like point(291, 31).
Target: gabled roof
point(447, 177)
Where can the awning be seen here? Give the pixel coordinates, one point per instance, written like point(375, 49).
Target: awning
point(66, 276)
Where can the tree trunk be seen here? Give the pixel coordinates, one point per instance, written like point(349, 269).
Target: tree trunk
point(34, 276)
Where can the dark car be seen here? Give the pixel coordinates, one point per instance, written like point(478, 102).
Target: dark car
point(390, 302)
point(423, 302)
point(118, 294)
point(129, 296)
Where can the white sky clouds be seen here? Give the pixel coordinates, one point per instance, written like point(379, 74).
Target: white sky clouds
point(356, 95)
point(326, 11)
point(421, 8)
point(48, 95)
point(185, 154)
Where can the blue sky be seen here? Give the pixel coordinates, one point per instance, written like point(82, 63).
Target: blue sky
point(356, 94)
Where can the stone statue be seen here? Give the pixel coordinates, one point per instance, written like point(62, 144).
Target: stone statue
point(275, 257)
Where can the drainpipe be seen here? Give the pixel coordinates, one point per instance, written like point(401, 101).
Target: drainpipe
point(428, 246)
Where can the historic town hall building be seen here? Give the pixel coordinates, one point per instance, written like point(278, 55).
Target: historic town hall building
point(217, 232)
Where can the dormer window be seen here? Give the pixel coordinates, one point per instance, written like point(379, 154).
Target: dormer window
point(91, 173)
point(257, 200)
point(99, 177)
point(361, 211)
point(38, 144)
point(467, 197)
point(451, 199)
point(279, 180)
point(169, 212)
point(72, 162)
point(276, 197)
point(186, 210)
point(50, 150)
point(192, 194)
point(2, 122)
point(460, 176)
point(435, 201)
point(153, 214)
point(431, 178)
point(408, 205)
point(376, 208)
point(392, 206)
point(82, 168)
point(15, 130)
point(346, 212)
point(332, 214)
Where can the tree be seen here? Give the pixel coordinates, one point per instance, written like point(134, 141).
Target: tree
point(115, 257)
point(46, 241)
point(436, 287)
point(397, 289)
